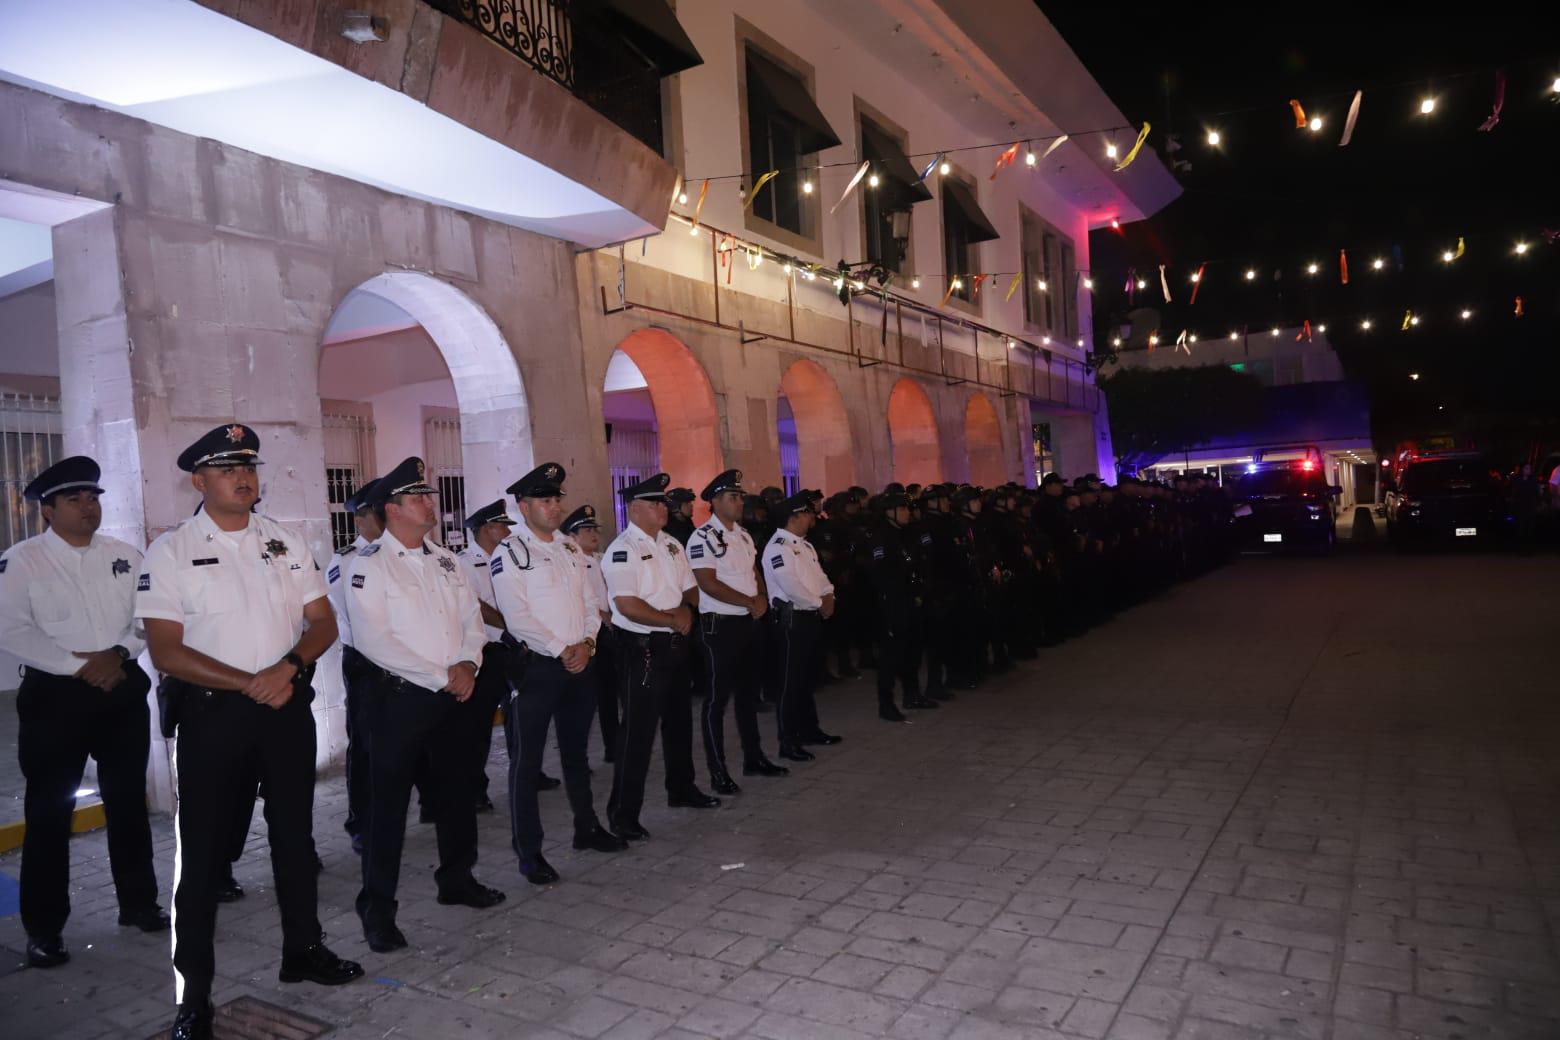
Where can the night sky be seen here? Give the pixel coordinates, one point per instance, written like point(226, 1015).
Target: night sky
point(1275, 198)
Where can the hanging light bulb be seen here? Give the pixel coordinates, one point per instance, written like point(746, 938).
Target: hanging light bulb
point(1377, 264)
point(839, 283)
point(682, 198)
point(1251, 274)
point(1554, 88)
point(1046, 340)
point(1316, 124)
point(944, 169)
point(1414, 320)
point(1448, 256)
point(1141, 284)
point(1234, 335)
point(1275, 330)
point(1030, 158)
point(1041, 285)
point(1110, 149)
point(1365, 324)
point(1196, 276)
point(958, 283)
point(915, 283)
point(1427, 106)
point(1522, 247)
point(1115, 341)
point(1321, 328)
point(786, 268)
point(872, 181)
point(1214, 138)
point(1080, 342)
point(693, 229)
point(1088, 283)
point(1414, 376)
point(1115, 225)
point(1312, 268)
point(807, 187)
point(1191, 338)
point(1466, 314)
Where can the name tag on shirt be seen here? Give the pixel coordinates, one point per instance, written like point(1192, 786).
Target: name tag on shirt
point(620, 556)
point(696, 552)
point(209, 562)
point(777, 561)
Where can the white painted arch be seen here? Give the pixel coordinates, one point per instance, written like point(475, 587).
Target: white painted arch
point(495, 419)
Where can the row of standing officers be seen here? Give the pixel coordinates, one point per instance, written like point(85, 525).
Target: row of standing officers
point(529, 618)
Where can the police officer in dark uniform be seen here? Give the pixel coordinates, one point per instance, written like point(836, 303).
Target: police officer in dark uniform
point(585, 529)
point(237, 697)
point(652, 593)
point(549, 605)
point(66, 600)
point(679, 520)
point(934, 531)
point(897, 580)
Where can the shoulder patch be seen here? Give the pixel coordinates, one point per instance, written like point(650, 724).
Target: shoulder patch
point(877, 552)
point(357, 581)
point(695, 552)
point(620, 556)
point(777, 561)
point(369, 550)
point(333, 575)
point(926, 539)
point(496, 566)
point(144, 583)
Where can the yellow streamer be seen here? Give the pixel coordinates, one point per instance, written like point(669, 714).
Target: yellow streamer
point(1460, 249)
point(1127, 161)
point(758, 186)
point(1408, 319)
point(951, 283)
point(699, 207)
point(1012, 287)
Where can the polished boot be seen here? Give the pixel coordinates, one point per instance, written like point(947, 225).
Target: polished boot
point(630, 831)
point(473, 894)
point(47, 953)
point(384, 938)
point(537, 870)
point(318, 965)
point(598, 839)
point(193, 1022)
point(693, 798)
point(147, 918)
point(761, 766)
point(796, 753)
point(722, 783)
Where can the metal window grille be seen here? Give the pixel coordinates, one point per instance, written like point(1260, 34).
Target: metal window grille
point(31, 440)
point(441, 446)
point(632, 455)
point(538, 32)
point(349, 448)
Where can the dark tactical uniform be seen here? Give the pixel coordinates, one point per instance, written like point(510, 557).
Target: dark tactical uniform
point(896, 570)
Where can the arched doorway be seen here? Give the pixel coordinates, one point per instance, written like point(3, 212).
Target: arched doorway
point(660, 412)
point(983, 442)
point(814, 429)
point(914, 445)
point(412, 366)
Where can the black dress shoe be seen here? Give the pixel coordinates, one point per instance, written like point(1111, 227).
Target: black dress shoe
point(796, 753)
point(384, 938)
point(598, 840)
point(193, 1022)
point(47, 953)
point(547, 783)
point(229, 890)
point(761, 766)
point(538, 871)
point(630, 831)
point(318, 965)
point(484, 804)
point(147, 918)
point(818, 736)
point(693, 798)
point(920, 703)
point(473, 894)
point(722, 783)
point(889, 713)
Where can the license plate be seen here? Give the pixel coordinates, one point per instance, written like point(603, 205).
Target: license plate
point(1272, 538)
point(1467, 532)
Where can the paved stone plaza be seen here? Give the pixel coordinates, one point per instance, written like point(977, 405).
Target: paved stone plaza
point(1296, 798)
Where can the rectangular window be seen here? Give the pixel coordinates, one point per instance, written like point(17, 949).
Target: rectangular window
point(964, 227)
point(784, 128)
point(886, 206)
point(1048, 259)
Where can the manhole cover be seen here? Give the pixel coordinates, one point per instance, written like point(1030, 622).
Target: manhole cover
point(246, 1018)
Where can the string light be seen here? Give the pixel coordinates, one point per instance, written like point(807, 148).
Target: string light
point(1321, 328)
point(1427, 106)
point(694, 230)
point(1192, 338)
point(944, 169)
point(807, 187)
point(1214, 138)
point(1141, 284)
point(1046, 340)
point(1365, 324)
point(1080, 342)
point(1522, 247)
point(1234, 335)
point(1275, 331)
point(915, 283)
point(1413, 319)
point(1554, 88)
point(1153, 339)
point(839, 283)
point(1041, 285)
point(1377, 264)
point(1115, 225)
point(1312, 268)
point(682, 198)
point(1110, 150)
point(958, 283)
point(1414, 376)
point(1251, 275)
point(1448, 256)
point(786, 268)
point(1030, 158)
point(1466, 314)
point(1088, 283)
point(872, 181)
point(1196, 276)
point(1115, 341)
point(1316, 124)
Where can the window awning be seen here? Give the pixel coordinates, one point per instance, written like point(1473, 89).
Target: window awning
point(889, 157)
point(648, 27)
point(959, 196)
point(787, 93)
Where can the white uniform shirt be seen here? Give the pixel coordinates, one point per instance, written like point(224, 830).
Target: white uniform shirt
point(653, 569)
point(544, 592)
point(477, 563)
point(793, 573)
point(730, 553)
point(56, 599)
point(413, 611)
point(239, 595)
point(336, 585)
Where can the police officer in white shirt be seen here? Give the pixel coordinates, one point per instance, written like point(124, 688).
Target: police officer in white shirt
point(585, 529)
point(731, 600)
point(653, 594)
point(235, 613)
point(802, 597)
point(550, 606)
point(416, 619)
point(65, 612)
point(368, 529)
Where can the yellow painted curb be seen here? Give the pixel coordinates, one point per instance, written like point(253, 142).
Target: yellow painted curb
point(86, 818)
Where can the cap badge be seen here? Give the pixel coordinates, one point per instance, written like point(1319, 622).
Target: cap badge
point(235, 433)
point(551, 472)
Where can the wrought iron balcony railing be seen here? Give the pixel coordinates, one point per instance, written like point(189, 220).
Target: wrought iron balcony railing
point(538, 32)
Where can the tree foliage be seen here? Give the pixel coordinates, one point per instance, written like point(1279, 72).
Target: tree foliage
point(1155, 412)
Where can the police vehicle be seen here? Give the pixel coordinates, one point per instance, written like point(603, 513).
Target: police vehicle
point(1285, 506)
point(1448, 497)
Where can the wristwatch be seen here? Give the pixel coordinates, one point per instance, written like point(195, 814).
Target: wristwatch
point(294, 660)
point(592, 644)
point(124, 655)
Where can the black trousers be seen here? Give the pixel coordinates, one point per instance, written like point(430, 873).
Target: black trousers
point(492, 691)
point(60, 721)
point(355, 669)
point(550, 692)
point(796, 634)
point(727, 642)
point(403, 722)
point(605, 668)
point(648, 665)
point(899, 655)
point(677, 721)
point(225, 741)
